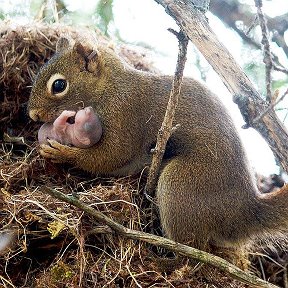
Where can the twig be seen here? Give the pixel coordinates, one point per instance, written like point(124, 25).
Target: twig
point(285, 278)
point(166, 128)
point(5, 281)
point(270, 107)
point(279, 39)
point(267, 53)
point(252, 26)
point(280, 69)
point(100, 230)
point(182, 249)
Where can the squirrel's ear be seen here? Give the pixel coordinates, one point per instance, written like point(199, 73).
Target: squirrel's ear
point(63, 44)
point(90, 55)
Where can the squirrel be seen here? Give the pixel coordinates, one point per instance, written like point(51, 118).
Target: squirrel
point(206, 193)
point(84, 131)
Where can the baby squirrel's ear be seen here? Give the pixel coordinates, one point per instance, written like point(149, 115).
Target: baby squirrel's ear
point(90, 55)
point(63, 44)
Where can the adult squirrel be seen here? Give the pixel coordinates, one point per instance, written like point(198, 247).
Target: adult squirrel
point(206, 193)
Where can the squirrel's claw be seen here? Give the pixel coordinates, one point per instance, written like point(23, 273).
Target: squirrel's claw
point(56, 152)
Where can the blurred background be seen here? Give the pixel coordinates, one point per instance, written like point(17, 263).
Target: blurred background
point(143, 24)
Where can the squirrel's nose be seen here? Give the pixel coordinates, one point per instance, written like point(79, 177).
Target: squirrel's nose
point(33, 115)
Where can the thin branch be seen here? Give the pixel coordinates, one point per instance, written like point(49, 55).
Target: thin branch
point(279, 39)
point(277, 68)
point(271, 106)
point(252, 26)
point(267, 52)
point(166, 128)
point(182, 249)
point(285, 278)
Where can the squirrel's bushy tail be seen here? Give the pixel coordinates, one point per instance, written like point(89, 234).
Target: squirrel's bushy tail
point(273, 207)
point(271, 212)
point(264, 217)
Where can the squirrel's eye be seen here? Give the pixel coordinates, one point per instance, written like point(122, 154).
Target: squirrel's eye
point(59, 86)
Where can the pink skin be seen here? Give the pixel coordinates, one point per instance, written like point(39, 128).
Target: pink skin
point(84, 133)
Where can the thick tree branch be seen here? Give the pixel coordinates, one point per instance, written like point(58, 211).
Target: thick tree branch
point(185, 250)
point(247, 98)
point(167, 125)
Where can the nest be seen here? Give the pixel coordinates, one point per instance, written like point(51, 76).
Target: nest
point(50, 243)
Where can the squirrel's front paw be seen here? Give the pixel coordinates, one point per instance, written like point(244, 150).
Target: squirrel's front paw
point(58, 153)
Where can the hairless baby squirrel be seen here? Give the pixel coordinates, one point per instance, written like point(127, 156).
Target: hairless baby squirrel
point(84, 132)
point(206, 193)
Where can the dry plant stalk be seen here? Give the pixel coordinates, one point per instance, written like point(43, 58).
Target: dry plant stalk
point(182, 249)
point(167, 125)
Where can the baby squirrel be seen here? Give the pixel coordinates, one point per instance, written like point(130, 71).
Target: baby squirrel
point(84, 131)
point(206, 193)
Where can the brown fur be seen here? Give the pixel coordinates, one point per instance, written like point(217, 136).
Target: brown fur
point(206, 193)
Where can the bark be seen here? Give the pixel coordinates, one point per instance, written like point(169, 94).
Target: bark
point(195, 25)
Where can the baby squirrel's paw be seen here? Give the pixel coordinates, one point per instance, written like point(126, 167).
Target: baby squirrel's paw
point(58, 153)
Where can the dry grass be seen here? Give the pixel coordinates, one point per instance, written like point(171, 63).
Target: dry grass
point(51, 244)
